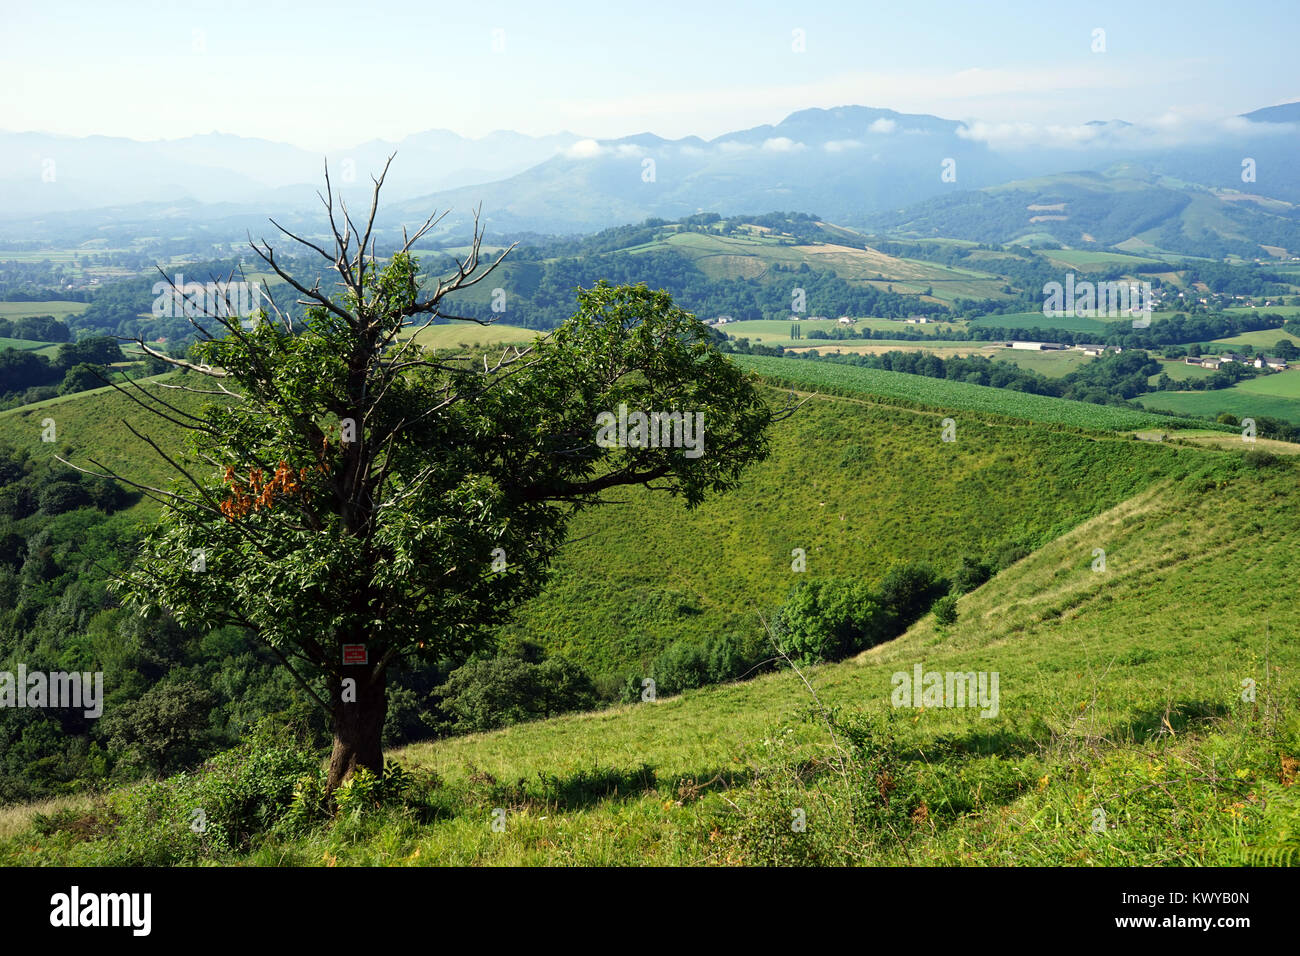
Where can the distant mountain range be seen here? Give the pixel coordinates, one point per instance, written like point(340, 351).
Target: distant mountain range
point(864, 167)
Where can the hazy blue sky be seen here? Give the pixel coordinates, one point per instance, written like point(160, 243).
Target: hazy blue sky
point(329, 75)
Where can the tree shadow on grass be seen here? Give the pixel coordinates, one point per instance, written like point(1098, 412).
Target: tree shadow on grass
point(1178, 717)
point(589, 787)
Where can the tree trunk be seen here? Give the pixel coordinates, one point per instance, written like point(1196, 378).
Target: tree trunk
point(358, 730)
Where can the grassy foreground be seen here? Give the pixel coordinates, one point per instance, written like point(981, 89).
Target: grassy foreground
point(1127, 732)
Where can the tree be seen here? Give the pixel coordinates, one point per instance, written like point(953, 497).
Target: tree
point(347, 488)
point(81, 378)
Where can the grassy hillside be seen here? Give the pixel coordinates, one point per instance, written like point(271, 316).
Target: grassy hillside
point(857, 485)
point(92, 424)
point(1120, 690)
point(751, 256)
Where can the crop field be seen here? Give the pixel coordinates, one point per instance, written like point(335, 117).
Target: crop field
point(59, 308)
point(1086, 260)
point(750, 257)
point(777, 331)
point(1052, 364)
point(1180, 372)
point(26, 345)
point(1284, 384)
point(943, 394)
point(941, 347)
point(469, 334)
point(1287, 310)
point(1264, 339)
point(1031, 320)
point(1277, 396)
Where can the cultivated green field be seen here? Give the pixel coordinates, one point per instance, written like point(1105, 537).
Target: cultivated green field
point(949, 396)
point(1052, 364)
point(59, 308)
point(452, 335)
point(26, 345)
point(750, 257)
point(1276, 401)
point(1086, 260)
point(1032, 320)
point(1263, 339)
point(1279, 309)
point(1180, 372)
point(777, 331)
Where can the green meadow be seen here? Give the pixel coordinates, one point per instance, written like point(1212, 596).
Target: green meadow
point(59, 308)
point(1145, 716)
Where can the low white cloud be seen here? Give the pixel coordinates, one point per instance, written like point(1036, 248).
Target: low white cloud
point(1169, 129)
point(732, 146)
point(782, 144)
point(883, 125)
point(840, 145)
point(584, 149)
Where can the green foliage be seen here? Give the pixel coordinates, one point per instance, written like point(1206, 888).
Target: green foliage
point(512, 687)
point(227, 806)
point(165, 727)
point(824, 620)
point(945, 610)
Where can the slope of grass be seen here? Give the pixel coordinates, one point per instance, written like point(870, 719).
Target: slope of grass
point(858, 486)
point(1120, 691)
point(450, 335)
point(92, 424)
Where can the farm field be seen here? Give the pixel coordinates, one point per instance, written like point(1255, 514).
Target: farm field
point(452, 335)
point(777, 331)
point(941, 347)
point(27, 345)
point(1287, 310)
point(946, 395)
point(1277, 396)
point(1262, 339)
point(59, 308)
point(1087, 260)
point(1180, 371)
point(1051, 364)
point(749, 257)
point(1031, 320)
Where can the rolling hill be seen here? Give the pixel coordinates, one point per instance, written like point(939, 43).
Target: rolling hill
point(1125, 207)
point(1121, 687)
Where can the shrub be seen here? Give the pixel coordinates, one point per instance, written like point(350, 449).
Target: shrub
point(682, 666)
point(227, 806)
point(61, 496)
point(945, 610)
point(513, 687)
point(165, 726)
point(907, 591)
point(1259, 459)
point(829, 619)
point(972, 573)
